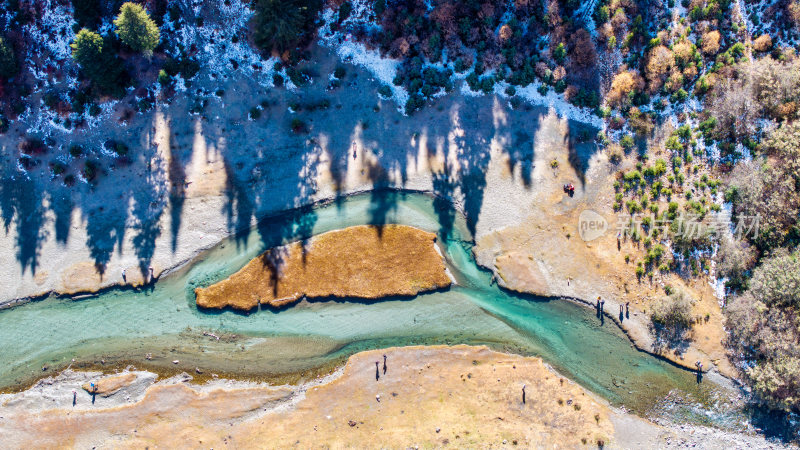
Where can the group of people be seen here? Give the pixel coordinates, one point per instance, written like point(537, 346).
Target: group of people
point(377, 372)
point(125, 275)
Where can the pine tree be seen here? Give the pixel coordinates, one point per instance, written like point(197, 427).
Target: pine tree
point(86, 51)
point(136, 29)
point(99, 62)
point(280, 24)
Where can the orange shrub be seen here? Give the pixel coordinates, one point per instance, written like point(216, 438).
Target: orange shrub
point(762, 43)
point(683, 52)
point(659, 62)
point(711, 42)
point(623, 84)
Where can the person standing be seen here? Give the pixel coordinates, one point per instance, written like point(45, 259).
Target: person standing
point(384, 364)
point(523, 394)
point(377, 372)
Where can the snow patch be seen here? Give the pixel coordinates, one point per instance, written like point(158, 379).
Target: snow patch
point(556, 102)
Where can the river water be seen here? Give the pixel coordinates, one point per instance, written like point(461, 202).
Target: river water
point(121, 326)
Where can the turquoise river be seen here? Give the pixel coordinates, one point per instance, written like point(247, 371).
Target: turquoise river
point(122, 326)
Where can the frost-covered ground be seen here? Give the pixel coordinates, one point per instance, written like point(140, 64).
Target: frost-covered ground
point(219, 43)
point(385, 69)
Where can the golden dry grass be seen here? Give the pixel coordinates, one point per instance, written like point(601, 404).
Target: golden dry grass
point(363, 261)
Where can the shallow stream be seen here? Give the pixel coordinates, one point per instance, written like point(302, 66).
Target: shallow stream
point(123, 325)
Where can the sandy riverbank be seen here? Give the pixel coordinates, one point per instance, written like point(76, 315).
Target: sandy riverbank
point(365, 261)
point(428, 397)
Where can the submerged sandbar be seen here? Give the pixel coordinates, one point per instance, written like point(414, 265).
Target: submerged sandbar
point(365, 261)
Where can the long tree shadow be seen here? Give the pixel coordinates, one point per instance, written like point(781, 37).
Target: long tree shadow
point(148, 206)
point(62, 204)
point(105, 231)
point(178, 157)
point(271, 164)
point(580, 149)
point(21, 201)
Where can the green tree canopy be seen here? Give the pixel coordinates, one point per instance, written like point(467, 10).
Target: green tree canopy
point(86, 49)
point(136, 29)
point(8, 61)
point(99, 62)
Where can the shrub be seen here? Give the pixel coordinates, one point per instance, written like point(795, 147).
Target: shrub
point(614, 154)
point(298, 126)
point(339, 72)
point(626, 142)
point(281, 24)
point(136, 29)
point(163, 77)
point(58, 167)
point(90, 169)
point(118, 147)
point(623, 87)
point(8, 60)
point(674, 312)
point(777, 281)
point(385, 91)
point(763, 43)
point(87, 12)
point(560, 53)
point(183, 65)
point(344, 12)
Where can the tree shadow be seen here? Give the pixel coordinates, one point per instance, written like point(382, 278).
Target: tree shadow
point(580, 149)
point(105, 230)
point(178, 158)
point(21, 202)
point(149, 202)
point(62, 204)
point(268, 167)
